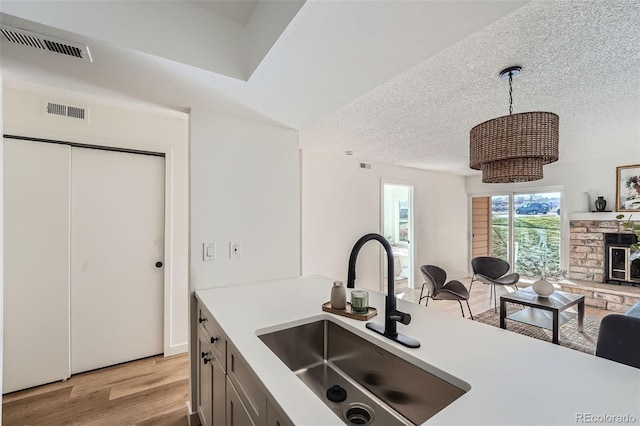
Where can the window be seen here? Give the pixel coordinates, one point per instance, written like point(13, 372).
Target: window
point(403, 220)
point(521, 228)
point(536, 240)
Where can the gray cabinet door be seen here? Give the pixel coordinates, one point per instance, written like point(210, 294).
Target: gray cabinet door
point(237, 414)
point(218, 398)
point(206, 362)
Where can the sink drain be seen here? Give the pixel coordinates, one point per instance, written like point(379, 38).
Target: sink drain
point(336, 393)
point(358, 414)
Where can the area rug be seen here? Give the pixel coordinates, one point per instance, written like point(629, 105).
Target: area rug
point(569, 336)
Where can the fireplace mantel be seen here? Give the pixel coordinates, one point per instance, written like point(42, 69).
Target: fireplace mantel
point(596, 215)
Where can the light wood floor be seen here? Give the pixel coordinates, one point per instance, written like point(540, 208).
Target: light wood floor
point(148, 392)
point(478, 300)
point(154, 391)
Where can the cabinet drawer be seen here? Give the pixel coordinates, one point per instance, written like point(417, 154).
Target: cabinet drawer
point(247, 386)
point(214, 332)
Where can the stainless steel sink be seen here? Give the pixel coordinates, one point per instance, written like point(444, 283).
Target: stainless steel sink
point(381, 388)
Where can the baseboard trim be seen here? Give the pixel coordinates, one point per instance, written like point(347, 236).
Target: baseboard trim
point(194, 419)
point(177, 349)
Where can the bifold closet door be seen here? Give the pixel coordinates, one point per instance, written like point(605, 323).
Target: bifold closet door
point(117, 247)
point(36, 264)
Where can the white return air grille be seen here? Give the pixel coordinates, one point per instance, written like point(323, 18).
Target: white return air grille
point(39, 41)
point(67, 110)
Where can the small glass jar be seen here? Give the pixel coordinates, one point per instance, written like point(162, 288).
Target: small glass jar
point(359, 301)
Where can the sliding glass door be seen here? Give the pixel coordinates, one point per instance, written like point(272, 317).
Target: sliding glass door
point(500, 207)
point(536, 239)
point(521, 228)
point(491, 226)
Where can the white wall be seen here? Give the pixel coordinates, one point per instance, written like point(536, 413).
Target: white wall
point(581, 182)
point(341, 202)
point(1, 240)
point(244, 187)
point(126, 126)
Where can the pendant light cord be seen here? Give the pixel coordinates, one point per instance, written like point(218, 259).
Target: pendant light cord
point(510, 93)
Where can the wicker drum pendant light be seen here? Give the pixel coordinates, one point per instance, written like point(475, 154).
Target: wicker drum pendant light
point(513, 148)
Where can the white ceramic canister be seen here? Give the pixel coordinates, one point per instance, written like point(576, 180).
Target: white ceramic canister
point(338, 295)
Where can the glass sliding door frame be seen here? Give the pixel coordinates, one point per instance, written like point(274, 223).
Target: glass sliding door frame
point(509, 243)
point(511, 219)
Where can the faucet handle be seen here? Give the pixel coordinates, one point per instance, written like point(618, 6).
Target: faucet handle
point(402, 317)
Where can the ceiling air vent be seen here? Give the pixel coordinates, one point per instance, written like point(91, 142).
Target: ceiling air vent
point(39, 41)
point(66, 110)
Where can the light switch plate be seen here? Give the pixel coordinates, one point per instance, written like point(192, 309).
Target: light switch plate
point(235, 249)
point(208, 251)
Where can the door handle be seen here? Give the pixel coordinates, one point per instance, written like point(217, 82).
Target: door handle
point(158, 264)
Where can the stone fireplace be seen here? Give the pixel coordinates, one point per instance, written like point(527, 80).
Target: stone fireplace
point(588, 263)
point(587, 251)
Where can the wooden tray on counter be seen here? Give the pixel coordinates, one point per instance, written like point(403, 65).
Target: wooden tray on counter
point(346, 312)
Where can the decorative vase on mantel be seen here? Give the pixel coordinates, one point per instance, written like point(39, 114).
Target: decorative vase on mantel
point(543, 288)
point(601, 204)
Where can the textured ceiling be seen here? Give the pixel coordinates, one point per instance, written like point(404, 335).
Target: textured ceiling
point(400, 82)
point(329, 54)
point(580, 59)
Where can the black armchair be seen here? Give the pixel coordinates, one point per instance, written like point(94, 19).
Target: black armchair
point(435, 278)
point(491, 271)
point(619, 339)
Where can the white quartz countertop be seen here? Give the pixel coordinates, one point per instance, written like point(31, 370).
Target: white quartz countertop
point(513, 379)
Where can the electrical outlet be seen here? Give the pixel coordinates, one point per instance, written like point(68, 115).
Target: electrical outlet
point(235, 249)
point(208, 251)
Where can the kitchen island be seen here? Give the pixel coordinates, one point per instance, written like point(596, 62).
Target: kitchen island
point(511, 379)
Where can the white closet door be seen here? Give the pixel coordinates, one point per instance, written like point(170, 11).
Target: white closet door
point(36, 264)
point(117, 236)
